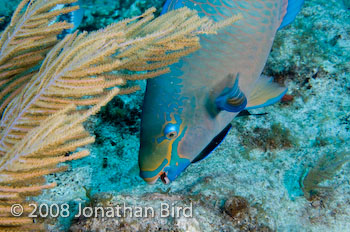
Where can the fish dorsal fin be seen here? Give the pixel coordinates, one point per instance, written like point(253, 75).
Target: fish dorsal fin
point(265, 93)
point(290, 9)
point(232, 99)
point(172, 5)
point(293, 8)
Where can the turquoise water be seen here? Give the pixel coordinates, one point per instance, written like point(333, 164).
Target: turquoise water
point(264, 159)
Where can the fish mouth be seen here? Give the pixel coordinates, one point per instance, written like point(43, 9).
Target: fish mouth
point(164, 178)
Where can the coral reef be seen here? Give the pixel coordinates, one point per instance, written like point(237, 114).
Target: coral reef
point(97, 15)
point(236, 205)
point(325, 169)
point(186, 213)
point(266, 139)
point(311, 57)
point(243, 215)
point(6, 10)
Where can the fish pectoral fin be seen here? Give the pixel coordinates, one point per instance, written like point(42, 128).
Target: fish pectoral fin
point(232, 99)
point(265, 93)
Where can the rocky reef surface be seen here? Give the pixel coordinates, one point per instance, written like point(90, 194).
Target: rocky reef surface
point(254, 180)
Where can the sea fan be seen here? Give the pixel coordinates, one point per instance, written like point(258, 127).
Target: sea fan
point(325, 169)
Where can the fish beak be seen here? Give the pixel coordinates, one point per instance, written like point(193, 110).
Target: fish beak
point(164, 178)
point(153, 181)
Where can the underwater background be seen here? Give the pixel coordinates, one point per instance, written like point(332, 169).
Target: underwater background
point(254, 180)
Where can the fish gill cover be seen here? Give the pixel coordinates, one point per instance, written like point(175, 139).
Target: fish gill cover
point(255, 179)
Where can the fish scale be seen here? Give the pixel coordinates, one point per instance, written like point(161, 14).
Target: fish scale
point(205, 90)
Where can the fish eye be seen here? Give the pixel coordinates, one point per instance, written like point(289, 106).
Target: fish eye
point(170, 131)
point(171, 135)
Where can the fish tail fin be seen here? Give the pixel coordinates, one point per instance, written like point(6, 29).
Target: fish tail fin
point(291, 11)
point(265, 93)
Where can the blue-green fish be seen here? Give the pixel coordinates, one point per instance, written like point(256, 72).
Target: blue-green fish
point(187, 112)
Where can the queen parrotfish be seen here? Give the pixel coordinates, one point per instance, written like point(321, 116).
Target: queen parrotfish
point(187, 112)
